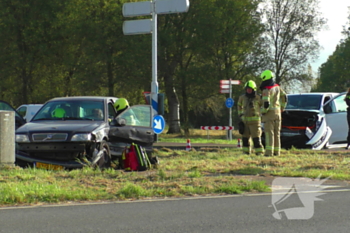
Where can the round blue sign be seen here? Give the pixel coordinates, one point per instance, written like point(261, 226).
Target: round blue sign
point(158, 124)
point(229, 102)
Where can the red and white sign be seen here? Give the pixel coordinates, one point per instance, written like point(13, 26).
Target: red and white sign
point(227, 82)
point(223, 91)
point(217, 127)
point(224, 86)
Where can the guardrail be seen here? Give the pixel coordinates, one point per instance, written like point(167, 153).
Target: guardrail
point(207, 128)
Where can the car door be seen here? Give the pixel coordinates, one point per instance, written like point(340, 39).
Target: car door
point(19, 121)
point(22, 110)
point(133, 125)
point(336, 112)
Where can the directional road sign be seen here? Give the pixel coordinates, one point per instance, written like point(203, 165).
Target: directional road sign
point(172, 6)
point(229, 102)
point(158, 124)
point(227, 82)
point(224, 86)
point(224, 91)
point(141, 26)
point(131, 9)
point(153, 8)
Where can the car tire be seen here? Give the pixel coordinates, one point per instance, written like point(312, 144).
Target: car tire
point(106, 160)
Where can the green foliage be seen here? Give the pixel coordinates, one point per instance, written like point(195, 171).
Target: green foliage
point(291, 26)
point(334, 74)
point(217, 39)
point(77, 47)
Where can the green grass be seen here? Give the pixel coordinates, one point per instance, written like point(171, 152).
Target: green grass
point(180, 173)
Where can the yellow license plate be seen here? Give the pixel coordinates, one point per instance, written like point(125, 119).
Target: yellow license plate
point(48, 166)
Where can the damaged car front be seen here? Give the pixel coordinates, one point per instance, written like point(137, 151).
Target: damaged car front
point(304, 122)
point(302, 129)
point(67, 132)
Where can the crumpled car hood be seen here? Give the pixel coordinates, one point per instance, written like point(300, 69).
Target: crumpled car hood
point(304, 127)
point(45, 126)
point(300, 118)
point(301, 111)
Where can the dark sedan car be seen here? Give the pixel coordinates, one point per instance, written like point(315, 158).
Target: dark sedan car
point(71, 132)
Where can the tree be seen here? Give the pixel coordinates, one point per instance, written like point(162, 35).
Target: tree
point(335, 72)
point(224, 46)
point(213, 41)
point(26, 36)
point(291, 26)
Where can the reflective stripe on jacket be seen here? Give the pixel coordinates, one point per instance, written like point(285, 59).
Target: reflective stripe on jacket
point(249, 108)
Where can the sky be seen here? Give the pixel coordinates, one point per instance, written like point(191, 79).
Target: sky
point(336, 12)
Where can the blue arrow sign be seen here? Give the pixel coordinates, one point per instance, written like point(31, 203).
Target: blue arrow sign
point(229, 102)
point(158, 124)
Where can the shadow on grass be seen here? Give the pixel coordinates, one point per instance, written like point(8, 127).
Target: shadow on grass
point(248, 171)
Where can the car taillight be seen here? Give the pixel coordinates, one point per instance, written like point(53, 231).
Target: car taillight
point(298, 127)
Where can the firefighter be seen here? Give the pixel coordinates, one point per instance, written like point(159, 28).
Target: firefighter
point(120, 105)
point(249, 105)
point(274, 101)
point(347, 100)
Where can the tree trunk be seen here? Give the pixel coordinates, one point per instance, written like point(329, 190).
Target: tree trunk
point(68, 83)
point(174, 105)
point(25, 80)
point(185, 108)
point(110, 79)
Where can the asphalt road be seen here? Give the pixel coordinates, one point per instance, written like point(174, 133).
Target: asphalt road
point(248, 213)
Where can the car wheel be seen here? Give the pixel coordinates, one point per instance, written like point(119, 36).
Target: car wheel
point(106, 159)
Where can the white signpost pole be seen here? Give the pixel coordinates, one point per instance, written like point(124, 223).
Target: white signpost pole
point(230, 114)
point(226, 87)
point(154, 85)
point(134, 27)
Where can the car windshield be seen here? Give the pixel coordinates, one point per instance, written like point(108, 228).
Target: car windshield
point(72, 110)
point(307, 102)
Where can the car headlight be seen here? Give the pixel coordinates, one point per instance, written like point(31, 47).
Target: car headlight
point(22, 138)
point(81, 137)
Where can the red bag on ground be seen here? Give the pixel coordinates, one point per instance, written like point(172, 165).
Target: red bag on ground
point(130, 159)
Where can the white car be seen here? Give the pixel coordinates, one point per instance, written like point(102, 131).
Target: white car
point(27, 111)
point(314, 120)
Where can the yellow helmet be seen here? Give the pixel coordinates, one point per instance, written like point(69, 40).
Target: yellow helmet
point(266, 75)
point(250, 84)
point(121, 103)
point(58, 113)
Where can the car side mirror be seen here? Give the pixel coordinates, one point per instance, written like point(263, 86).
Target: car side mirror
point(327, 108)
